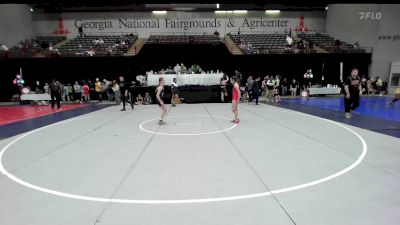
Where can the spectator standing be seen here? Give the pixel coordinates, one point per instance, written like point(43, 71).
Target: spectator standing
point(224, 92)
point(264, 86)
point(77, 91)
point(270, 89)
point(177, 68)
point(238, 76)
point(117, 93)
point(46, 88)
point(110, 91)
point(249, 88)
point(284, 87)
point(65, 95)
point(91, 89)
point(80, 30)
point(70, 92)
point(38, 88)
point(379, 84)
point(183, 68)
point(293, 87)
point(278, 89)
point(255, 90)
point(98, 89)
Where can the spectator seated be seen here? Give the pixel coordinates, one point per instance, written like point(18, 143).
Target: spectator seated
point(29, 48)
point(114, 45)
point(330, 44)
point(260, 43)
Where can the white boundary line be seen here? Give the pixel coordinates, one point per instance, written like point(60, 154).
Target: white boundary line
point(179, 134)
point(183, 201)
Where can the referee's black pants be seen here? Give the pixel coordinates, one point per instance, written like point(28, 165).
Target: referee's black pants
point(352, 103)
point(55, 98)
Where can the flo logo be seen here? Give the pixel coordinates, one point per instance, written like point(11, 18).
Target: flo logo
point(370, 15)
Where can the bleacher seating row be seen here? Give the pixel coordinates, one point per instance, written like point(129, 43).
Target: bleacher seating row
point(79, 45)
point(249, 44)
point(272, 43)
point(29, 48)
point(330, 44)
point(183, 39)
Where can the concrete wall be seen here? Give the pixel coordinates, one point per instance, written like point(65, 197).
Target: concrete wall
point(379, 32)
point(15, 23)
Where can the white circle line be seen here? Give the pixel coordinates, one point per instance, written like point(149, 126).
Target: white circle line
point(187, 134)
point(184, 201)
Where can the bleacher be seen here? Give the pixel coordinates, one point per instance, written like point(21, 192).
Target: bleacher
point(79, 45)
point(329, 43)
point(261, 43)
point(52, 40)
point(29, 48)
point(183, 39)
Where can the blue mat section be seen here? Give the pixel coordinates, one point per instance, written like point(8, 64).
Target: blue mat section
point(16, 128)
point(332, 108)
point(369, 106)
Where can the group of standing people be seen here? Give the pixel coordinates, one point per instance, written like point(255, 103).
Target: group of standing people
point(271, 87)
point(117, 90)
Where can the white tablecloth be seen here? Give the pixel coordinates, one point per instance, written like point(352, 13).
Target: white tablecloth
point(35, 97)
point(324, 91)
point(186, 79)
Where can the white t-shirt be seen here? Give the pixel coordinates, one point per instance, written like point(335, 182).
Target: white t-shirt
point(173, 84)
point(4, 48)
point(90, 53)
point(77, 88)
point(289, 40)
point(177, 69)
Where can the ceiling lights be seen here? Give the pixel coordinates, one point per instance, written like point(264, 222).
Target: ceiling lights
point(161, 12)
point(231, 11)
point(272, 11)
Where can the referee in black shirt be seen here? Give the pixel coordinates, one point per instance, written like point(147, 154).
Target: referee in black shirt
point(123, 87)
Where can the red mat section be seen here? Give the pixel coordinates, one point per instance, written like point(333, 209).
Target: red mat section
point(12, 114)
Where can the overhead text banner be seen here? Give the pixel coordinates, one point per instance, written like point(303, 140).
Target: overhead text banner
point(147, 23)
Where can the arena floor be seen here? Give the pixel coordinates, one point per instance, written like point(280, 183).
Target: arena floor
point(278, 166)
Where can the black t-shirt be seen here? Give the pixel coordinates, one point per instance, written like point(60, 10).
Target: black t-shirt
point(353, 84)
point(122, 87)
point(91, 86)
point(256, 87)
point(54, 87)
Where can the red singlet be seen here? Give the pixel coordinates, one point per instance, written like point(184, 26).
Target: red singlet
point(235, 94)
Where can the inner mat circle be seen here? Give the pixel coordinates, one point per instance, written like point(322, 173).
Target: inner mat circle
point(187, 125)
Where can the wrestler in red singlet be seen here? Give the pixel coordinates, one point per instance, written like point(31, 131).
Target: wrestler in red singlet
point(235, 98)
